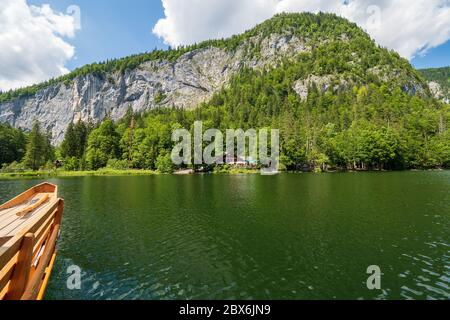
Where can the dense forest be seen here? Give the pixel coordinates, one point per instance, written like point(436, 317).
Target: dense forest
point(22, 151)
point(362, 128)
point(359, 120)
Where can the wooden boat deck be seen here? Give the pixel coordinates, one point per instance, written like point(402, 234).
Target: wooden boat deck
point(12, 222)
point(29, 229)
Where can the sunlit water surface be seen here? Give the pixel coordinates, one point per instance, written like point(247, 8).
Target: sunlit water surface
point(292, 236)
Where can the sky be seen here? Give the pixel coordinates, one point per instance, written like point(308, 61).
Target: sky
point(41, 39)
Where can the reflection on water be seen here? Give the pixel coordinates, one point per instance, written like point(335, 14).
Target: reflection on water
point(292, 236)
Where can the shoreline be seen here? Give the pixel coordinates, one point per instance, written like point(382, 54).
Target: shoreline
point(106, 173)
point(118, 173)
point(75, 174)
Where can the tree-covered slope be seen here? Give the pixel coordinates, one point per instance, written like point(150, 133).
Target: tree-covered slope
point(345, 104)
point(339, 100)
point(314, 29)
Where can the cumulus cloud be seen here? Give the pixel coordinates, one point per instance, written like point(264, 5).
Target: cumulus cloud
point(409, 27)
point(33, 45)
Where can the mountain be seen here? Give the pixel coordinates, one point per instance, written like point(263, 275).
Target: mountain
point(331, 54)
point(439, 82)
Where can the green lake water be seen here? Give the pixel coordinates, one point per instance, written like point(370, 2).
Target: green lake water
point(291, 236)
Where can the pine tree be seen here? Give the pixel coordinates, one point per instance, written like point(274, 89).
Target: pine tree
point(70, 144)
point(103, 145)
point(74, 143)
point(12, 144)
point(35, 155)
point(81, 134)
point(49, 150)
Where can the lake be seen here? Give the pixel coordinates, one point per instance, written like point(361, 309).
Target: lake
point(291, 236)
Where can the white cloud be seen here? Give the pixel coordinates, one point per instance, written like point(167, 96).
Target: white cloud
point(32, 43)
point(409, 27)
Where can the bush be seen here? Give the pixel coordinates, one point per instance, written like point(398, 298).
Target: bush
point(117, 164)
point(49, 165)
point(71, 164)
point(95, 159)
point(164, 163)
point(13, 167)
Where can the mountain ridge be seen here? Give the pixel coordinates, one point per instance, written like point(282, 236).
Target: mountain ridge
point(133, 61)
point(189, 76)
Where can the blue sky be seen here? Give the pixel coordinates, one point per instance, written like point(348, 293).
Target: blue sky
point(111, 28)
point(116, 28)
point(436, 57)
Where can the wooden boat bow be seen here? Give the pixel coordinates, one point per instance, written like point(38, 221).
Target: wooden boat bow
point(29, 230)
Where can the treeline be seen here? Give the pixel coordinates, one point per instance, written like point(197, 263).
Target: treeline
point(343, 126)
point(20, 151)
point(362, 128)
point(134, 142)
point(366, 128)
point(12, 144)
point(350, 126)
point(373, 112)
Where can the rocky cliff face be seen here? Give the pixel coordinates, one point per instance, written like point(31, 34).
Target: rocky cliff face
point(190, 80)
point(438, 92)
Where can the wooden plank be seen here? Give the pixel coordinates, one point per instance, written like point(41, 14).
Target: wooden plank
point(5, 213)
point(19, 279)
point(34, 206)
point(10, 248)
point(19, 199)
point(10, 213)
point(52, 243)
point(4, 291)
point(47, 188)
point(22, 223)
point(8, 251)
point(36, 221)
point(48, 273)
point(38, 250)
point(4, 240)
point(6, 272)
point(11, 220)
point(35, 284)
point(43, 233)
point(5, 224)
point(50, 219)
point(35, 228)
point(59, 214)
point(41, 188)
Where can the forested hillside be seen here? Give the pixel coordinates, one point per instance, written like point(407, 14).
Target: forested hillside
point(345, 104)
point(364, 127)
point(311, 27)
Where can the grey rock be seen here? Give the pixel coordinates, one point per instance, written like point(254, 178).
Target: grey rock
point(323, 83)
point(436, 90)
point(185, 83)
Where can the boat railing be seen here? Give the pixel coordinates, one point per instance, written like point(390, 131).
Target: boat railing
point(27, 258)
